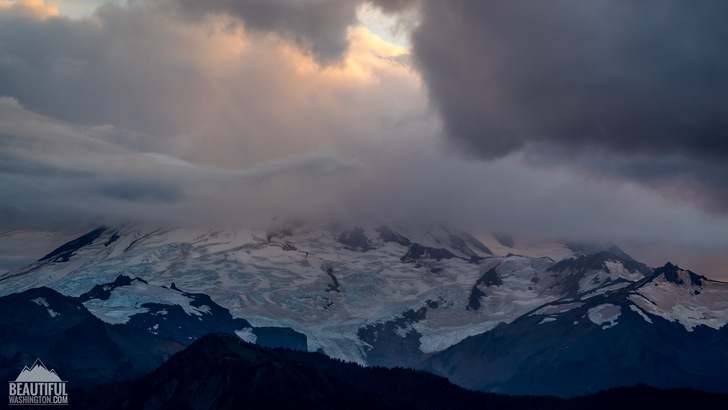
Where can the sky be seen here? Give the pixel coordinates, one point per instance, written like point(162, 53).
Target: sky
point(579, 120)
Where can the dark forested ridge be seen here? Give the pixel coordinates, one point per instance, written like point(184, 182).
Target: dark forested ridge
point(222, 372)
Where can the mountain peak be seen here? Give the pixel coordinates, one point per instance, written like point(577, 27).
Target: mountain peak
point(678, 276)
point(590, 248)
point(64, 252)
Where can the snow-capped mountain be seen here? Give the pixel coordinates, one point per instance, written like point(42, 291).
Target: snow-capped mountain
point(370, 294)
point(666, 330)
point(178, 315)
point(42, 323)
point(331, 284)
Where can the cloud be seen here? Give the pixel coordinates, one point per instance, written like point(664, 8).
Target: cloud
point(204, 91)
point(319, 26)
point(136, 113)
point(632, 77)
point(55, 173)
point(642, 83)
point(679, 178)
point(61, 173)
point(228, 113)
point(28, 8)
point(405, 180)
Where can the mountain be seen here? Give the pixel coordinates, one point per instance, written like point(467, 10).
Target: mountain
point(222, 372)
point(159, 321)
point(634, 334)
point(42, 323)
point(176, 314)
point(319, 281)
point(488, 312)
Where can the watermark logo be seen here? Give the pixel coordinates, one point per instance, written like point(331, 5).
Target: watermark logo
point(38, 385)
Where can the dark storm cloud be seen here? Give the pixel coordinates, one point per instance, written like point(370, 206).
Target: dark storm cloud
point(629, 90)
point(683, 178)
point(680, 178)
point(93, 71)
point(632, 77)
point(318, 25)
point(394, 6)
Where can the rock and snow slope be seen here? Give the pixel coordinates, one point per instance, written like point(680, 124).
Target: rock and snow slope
point(369, 294)
point(666, 330)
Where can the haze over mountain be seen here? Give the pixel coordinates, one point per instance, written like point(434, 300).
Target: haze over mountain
point(583, 121)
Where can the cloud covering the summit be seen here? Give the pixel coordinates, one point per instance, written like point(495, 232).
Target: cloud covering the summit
point(586, 120)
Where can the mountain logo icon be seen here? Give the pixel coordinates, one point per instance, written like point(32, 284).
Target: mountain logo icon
point(38, 373)
point(37, 385)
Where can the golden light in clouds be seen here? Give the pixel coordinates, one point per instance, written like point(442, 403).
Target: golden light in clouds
point(30, 8)
point(264, 97)
point(368, 58)
point(213, 92)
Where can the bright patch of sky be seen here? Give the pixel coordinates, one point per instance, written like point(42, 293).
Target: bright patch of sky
point(391, 28)
point(80, 8)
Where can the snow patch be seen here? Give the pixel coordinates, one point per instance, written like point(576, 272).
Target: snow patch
point(689, 305)
point(113, 314)
point(42, 302)
point(204, 309)
point(605, 315)
point(617, 270)
point(247, 334)
point(403, 331)
point(557, 308)
point(435, 340)
point(641, 313)
point(547, 319)
point(601, 279)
